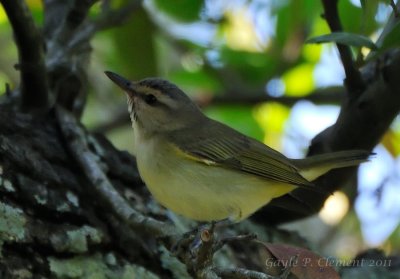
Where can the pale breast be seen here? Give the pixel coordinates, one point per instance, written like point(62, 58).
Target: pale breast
point(199, 191)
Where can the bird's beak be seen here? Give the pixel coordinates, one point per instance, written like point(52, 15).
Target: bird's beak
point(122, 82)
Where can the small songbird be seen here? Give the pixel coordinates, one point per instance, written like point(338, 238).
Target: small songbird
point(203, 169)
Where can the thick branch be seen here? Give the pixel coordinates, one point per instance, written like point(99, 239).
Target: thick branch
point(353, 80)
point(34, 87)
point(87, 162)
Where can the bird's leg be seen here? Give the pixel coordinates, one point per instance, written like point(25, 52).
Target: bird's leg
point(192, 239)
point(188, 240)
point(197, 247)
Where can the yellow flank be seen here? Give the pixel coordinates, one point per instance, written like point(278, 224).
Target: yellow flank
point(315, 172)
point(200, 191)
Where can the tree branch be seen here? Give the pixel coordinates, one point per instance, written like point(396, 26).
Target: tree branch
point(394, 7)
point(75, 136)
point(360, 125)
point(69, 45)
point(329, 95)
point(241, 273)
point(107, 19)
point(34, 88)
point(353, 81)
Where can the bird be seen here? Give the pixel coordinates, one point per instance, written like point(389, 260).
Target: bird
point(203, 169)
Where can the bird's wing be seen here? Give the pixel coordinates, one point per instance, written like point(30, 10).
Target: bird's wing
point(222, 146)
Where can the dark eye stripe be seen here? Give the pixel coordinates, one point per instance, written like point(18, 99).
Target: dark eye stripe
point(150, 99)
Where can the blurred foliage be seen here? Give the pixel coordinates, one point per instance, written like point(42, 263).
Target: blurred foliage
point(134, 43)
point(224, 48)
point(345, 39)
point(181, 10)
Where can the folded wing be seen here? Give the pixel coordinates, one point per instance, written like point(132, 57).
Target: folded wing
point(217, 144)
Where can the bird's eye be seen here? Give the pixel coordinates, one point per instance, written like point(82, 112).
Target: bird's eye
point(150, 99)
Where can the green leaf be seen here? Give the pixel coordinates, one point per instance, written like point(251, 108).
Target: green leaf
point(253, 67)
point(350, 16)
point(344, 38)
point(134, 47)
point(181, 10)
point(201, 80)
point(392, 39)
point(293, 16)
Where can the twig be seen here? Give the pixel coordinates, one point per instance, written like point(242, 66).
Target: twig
point(8, 90)
point(354, 81)
point(286, 272)
point(231, 239)
point(76, 139)
point(107, 19)
point(390, 24)
point(197, 248)
point(241, 273)
point(327, 95)
point(394, 7)
point(34, 88)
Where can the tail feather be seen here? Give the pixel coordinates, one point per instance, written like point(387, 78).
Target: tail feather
point(317, 165)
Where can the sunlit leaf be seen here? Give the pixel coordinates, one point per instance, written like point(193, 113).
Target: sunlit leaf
point(240, 32)
point(312, 52)
point(181, 10)
point(35, 4)
point(3, 16)
point(299, 81)
point(394, 239)
point(272, 118)
point(36, 8)
point(335, 208)
point(391, 141)
point(350, 39)
point(3, 80)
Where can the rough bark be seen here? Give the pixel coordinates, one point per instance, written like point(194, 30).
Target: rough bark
point(72, 206)
point(55, 224)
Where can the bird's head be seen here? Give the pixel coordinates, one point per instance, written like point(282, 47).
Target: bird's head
point(156, 105)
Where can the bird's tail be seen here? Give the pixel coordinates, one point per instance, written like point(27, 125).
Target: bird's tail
point(317, 165)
